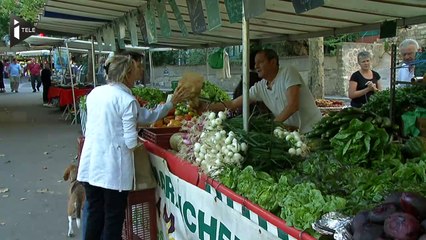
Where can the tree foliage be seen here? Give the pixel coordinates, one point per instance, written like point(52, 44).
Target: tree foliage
point(26, 9)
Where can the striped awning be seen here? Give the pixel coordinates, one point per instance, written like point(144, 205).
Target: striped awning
point(279, 22)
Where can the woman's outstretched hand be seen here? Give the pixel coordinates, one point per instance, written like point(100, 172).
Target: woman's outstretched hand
point(180, 95)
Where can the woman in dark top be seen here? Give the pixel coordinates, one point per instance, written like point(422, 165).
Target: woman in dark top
point(46, 75)
point(364, 82)
point(1, 77)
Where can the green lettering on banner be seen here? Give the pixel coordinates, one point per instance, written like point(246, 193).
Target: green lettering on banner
point(282, 235)
point(155, 171)
point(262, 222)
point(204, 228)
point(229, 202)
point(236, 238)
point(162, 180)
point(208, 188)
point(218, 195)
point(224, 232)
point(245, 212)
point(188, 206)
point(179, 204)
point(170, 191)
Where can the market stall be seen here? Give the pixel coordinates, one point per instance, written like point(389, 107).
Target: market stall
point(65, 96)
point(272, 21)
point(350, 163)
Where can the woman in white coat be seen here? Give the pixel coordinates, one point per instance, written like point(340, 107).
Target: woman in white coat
point(106, 165)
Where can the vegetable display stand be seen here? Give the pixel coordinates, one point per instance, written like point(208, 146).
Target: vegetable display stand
point(259, 217)
point(141, 217)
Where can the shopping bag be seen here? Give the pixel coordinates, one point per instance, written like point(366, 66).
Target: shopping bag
point(144, 177)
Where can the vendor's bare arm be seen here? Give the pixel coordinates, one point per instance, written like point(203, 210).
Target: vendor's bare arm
point(221, 106)
point(292, 95)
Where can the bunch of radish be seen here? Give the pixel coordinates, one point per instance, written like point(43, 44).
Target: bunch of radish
point(216, 147)
point(298, 148)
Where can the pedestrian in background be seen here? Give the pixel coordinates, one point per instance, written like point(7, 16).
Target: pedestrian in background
point(364, 82)
point(35, 70)
point(2, 90)
point(407, 50)
point(46, 75)
point(15, 72)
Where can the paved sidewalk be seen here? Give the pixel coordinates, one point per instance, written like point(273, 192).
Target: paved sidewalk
point(36, 146)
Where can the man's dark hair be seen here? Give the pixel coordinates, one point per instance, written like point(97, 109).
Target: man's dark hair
point(270, 54)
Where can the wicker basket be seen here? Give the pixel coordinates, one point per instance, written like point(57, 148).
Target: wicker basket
point(141, 216)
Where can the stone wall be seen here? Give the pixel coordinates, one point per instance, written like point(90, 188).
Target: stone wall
point(417, 32)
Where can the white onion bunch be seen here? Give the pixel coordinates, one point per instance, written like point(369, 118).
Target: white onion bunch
point(216, 148)
point(298, 147)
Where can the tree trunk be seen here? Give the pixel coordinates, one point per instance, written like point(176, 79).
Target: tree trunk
point(316, 60)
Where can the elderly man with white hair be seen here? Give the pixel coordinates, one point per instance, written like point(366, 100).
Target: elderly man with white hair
point(407, 51)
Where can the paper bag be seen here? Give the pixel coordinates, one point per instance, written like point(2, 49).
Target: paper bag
point(144, 177)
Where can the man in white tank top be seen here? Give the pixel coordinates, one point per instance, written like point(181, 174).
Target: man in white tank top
point(283, 92)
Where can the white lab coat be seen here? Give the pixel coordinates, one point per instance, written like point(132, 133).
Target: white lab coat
point(107, 156)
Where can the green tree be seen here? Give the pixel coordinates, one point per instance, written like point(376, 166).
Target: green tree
point(27, 9)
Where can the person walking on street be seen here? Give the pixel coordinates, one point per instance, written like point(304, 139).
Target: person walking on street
point(15, 72)
point(46, 75)
point(1, 76)
point(35, 70)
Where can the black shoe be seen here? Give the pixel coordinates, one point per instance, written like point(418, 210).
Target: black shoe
point(34, 90)
point(38, 89)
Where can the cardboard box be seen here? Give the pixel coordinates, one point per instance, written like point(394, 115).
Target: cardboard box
point(421, 125)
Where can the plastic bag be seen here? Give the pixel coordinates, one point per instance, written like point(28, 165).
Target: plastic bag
point(216, 59)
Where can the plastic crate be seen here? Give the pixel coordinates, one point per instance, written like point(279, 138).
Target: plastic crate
point(159, 136)
point(141, 216)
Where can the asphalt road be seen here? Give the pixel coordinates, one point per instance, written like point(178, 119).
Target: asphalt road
point(36, 145)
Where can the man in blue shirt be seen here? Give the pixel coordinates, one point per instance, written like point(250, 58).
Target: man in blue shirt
point(15, 71)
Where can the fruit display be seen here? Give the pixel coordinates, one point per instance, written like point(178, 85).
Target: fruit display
point(329, 103)
point(182, 112)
